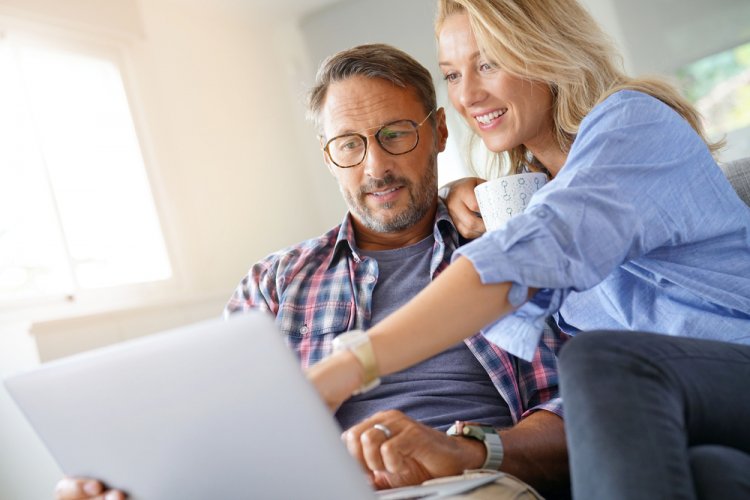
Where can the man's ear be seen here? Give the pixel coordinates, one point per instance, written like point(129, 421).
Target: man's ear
point(331, 167)
point(326, 158)
point(442, 129)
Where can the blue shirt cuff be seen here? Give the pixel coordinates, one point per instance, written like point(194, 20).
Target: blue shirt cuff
point(519, 332)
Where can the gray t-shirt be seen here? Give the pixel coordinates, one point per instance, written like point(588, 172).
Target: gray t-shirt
point(447, 387)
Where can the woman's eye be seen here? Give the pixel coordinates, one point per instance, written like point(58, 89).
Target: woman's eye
point(486, 67)
point(451, 77)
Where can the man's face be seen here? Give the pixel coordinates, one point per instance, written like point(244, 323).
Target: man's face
point(385, 193)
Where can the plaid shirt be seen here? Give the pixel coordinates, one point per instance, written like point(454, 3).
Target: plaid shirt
point(322, 287)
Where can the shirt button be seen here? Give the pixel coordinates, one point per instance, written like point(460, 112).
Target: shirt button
point(304, 329)
point(541, 213)
point(371, 279)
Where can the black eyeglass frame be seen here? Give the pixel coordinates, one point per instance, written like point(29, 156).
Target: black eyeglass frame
point(377, 138)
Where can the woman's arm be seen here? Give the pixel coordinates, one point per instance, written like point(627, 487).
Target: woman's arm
point(455, 306)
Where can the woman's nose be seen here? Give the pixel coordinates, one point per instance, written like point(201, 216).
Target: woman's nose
point(471, 91)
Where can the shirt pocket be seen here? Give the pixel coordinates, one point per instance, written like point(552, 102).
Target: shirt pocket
point(310, 329)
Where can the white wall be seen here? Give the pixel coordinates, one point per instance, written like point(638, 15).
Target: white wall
point(663, 35)
point(214, 108)
point(219, 114)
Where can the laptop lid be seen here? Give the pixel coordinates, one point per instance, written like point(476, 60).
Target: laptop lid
point(219, 409)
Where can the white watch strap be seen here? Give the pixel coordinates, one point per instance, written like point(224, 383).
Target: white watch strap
point(358, 343)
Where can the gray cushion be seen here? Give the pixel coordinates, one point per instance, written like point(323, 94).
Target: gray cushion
point(738, 173)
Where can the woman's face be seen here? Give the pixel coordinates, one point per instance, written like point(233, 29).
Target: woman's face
point(505, 110)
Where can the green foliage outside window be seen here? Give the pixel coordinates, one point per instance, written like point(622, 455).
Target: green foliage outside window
point(719, 86)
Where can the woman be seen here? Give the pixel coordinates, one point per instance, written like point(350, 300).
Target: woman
point(637, 231)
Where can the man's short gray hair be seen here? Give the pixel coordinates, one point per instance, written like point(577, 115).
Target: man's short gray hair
point(371, 61)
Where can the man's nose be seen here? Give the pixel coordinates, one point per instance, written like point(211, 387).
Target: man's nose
point(378, 161)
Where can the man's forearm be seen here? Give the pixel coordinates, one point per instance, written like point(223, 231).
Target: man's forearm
point(535, 451)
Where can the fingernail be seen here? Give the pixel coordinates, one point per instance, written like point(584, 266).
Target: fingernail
point(112, 495)
point(92, 487)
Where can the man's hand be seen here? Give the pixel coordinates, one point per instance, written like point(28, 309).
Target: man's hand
point(463, 208)
point(71, 488)
point(412, 454)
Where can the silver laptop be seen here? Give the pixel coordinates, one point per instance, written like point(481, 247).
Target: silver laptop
point(219, 409)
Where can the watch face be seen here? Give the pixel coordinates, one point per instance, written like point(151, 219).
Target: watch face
point(484, 433)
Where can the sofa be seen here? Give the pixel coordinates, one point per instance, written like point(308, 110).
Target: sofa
point(738, 173)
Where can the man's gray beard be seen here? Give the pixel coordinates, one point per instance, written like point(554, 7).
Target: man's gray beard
point(420, 202)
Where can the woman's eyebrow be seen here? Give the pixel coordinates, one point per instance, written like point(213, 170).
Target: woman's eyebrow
point(475, 55)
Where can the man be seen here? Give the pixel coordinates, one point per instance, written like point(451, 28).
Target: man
point(381, 131)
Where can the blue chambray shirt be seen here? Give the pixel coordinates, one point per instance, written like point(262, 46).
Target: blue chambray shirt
point(640, 230)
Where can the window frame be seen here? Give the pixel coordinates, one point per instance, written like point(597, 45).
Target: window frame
point(117, 49)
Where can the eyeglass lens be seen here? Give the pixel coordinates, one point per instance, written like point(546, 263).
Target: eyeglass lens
point(396, 138)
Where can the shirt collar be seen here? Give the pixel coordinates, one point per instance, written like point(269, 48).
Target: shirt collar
point(443, 230)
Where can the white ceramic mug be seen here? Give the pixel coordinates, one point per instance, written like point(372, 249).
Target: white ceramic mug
point(502, 198)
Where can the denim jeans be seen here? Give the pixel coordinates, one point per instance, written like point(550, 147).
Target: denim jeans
point(656, 417)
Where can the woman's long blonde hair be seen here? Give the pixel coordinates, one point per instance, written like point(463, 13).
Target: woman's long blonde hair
point(557, 42)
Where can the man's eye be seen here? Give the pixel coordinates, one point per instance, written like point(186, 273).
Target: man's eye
point(392, 135)
point(349, 144)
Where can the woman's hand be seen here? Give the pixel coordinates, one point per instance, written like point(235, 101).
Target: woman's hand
point(336, 378)
point(463, 208)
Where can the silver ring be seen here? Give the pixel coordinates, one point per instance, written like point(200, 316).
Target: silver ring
point(385, 430)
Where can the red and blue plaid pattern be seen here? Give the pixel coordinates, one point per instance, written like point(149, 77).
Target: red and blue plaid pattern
point(321, 288)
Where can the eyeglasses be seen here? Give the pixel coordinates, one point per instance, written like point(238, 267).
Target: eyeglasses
point(397, 138)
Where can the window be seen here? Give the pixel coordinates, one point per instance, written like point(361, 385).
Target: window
point(719, 86)
point(76, 208)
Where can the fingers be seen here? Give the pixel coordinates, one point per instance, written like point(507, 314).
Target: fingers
point(469, 225)
point(364, 441)
point(468, 197)
point(71, 488)
point(463, 207)
point(412, 454)
point(381, 453)
point(372, 440)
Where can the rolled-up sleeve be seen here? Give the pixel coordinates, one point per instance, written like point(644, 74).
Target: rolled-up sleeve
point(256, 291)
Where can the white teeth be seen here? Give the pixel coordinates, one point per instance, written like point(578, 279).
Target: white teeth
point(383, 193)
point(485, 119)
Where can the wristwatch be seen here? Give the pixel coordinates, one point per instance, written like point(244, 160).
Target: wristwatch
point(358, 343)
point(484, 433)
